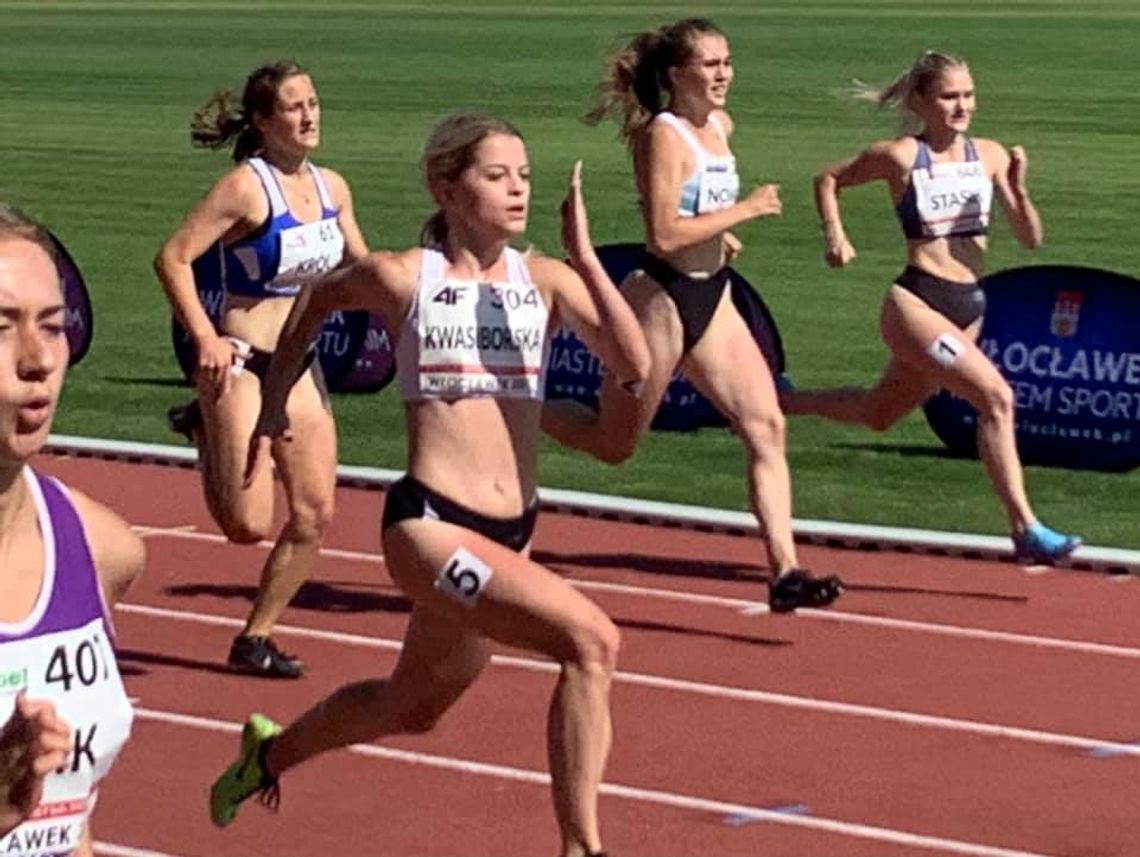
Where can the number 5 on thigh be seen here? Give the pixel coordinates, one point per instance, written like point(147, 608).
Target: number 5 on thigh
point(463, 577)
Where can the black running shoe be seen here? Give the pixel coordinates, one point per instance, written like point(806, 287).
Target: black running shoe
point(797, 588)
point(260, 656)
point(185, 419)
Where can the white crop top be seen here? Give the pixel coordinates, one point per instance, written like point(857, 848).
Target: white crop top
point(465, 338)
point(714, 183)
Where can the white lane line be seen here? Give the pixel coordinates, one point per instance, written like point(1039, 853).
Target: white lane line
point(113, 850)
point(189, 531)
point(741, 694)
point(753, 607)
point(145, 531)
point(663, 798)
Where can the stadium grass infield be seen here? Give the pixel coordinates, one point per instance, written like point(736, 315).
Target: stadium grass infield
point(98, 96)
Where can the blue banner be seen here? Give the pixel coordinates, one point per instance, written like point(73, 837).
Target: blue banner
point(576, 374)
point(1068, 341)
point(375, 364)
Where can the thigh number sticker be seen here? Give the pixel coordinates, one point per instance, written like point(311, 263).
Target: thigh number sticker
point(946, 350)
point(463, 577)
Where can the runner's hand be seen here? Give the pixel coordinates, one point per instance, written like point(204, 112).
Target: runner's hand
point(215, 359)
point(764, 201)
point(575, 226)
point(272, 424)
point(34, 742)
point(732, 247)
point(839, 253)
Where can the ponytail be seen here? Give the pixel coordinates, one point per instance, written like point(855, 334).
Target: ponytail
point(916, 81)
point(636, 82)
point(224, 120)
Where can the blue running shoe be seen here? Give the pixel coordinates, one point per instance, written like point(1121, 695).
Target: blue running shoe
point(1041, 544)
point(784, 383)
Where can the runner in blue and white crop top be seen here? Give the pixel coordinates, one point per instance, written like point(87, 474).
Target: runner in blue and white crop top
point(464, 338)
point(949, 198)
point(714, 183)
point(274, 261)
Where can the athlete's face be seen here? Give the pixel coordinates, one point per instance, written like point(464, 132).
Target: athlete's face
point(33, 347)
point(494, 192)
point(949, 105)
point(295, 123)
point(708, 72)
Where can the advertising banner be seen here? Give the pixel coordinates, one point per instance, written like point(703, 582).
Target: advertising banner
point(1068, 341)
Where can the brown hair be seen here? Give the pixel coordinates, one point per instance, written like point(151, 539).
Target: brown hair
point(223, 120)
point(15, 225)
point(448, 151)
point(917, 80)
point(633, 89)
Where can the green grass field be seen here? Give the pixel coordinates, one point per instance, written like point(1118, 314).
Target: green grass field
point(97, 98)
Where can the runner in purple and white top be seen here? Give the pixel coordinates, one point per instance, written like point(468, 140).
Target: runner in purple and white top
point(64, 561)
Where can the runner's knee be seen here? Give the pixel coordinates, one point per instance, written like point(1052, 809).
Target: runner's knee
point(309, 519)
point(245, 531)
point(404, 709)
point(423, 714)
point(881, 412)
point(616, 450)
point(881, 418)
point(763, 432)
point(422, 718)
point(997, 403)
point(597, 645)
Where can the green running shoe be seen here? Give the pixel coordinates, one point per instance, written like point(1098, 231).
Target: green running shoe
point(245, 777)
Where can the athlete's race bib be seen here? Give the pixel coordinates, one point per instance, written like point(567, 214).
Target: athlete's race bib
point(953, 198)
point(719, 188)
point(306, 251)
point(76, 670)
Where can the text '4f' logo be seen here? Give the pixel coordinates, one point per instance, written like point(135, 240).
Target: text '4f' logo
point(1066, 314)
point(449, 295)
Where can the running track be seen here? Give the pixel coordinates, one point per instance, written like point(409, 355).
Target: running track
point(945, 707)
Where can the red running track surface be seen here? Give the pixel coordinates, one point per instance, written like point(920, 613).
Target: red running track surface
point(943, 706)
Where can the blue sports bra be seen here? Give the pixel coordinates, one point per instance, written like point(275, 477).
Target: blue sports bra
point(943, 199)
point(276, 259)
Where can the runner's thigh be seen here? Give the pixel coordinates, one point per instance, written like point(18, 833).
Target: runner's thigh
point(228, 422)
point(491, 589)
point(308, 460)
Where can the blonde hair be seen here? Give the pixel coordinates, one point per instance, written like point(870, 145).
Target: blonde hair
point(918, 80)
point(448, 151)
point(636, 80)
point(224, 120)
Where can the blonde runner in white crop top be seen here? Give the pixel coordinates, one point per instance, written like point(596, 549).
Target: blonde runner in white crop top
point(465, 338)
point(714, 183)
